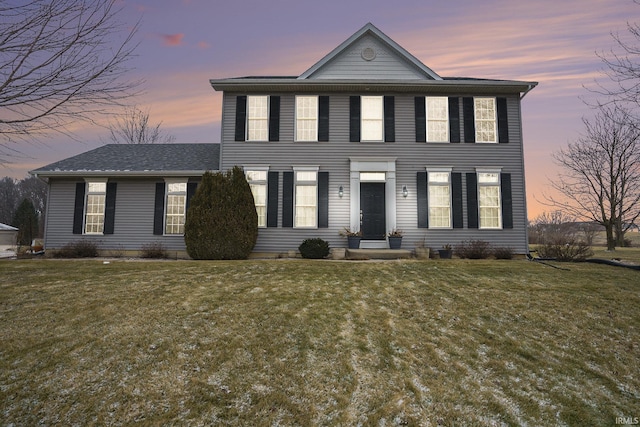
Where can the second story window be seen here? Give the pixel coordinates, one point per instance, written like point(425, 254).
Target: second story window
point(306, 118)
point(485, 119)
point(437, 118)
point(257, 118)
point(372, 118)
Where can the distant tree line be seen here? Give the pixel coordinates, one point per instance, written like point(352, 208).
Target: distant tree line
point(23, 202)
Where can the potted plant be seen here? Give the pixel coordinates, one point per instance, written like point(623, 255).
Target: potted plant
point(445, 252)
point(395, 239)
point(353, 237)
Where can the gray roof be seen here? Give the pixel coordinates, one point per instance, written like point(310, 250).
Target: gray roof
point(5, 227)
point(138, 159)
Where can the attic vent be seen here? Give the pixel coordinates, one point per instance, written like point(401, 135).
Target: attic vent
point(368, 54)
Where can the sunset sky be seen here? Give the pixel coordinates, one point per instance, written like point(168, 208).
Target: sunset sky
point(185, 43)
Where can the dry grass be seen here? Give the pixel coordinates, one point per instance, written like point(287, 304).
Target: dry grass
point(318, 343)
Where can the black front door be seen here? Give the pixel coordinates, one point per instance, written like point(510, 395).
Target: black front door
point(373, 221)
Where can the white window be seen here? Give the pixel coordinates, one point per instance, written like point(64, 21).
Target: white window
point(175, 207)
point(439, 199)
point(489, 199)
point(306, 118)
point(306, 199)
point(372, 113)
point(485, 119)
point(257, 118)
point(94, 210)
point(437, 114)
point(258, 182)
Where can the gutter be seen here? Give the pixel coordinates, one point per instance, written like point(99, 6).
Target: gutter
point(529, 89)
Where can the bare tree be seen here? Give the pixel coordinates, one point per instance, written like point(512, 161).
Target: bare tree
point(60, 61)
point(134, 128)
point(600, 177)
point(622, 66)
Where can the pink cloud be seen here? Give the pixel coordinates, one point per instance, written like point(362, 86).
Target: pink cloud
point(204, 45)
point(172, 39)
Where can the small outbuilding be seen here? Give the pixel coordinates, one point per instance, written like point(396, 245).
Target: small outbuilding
point(8, 235)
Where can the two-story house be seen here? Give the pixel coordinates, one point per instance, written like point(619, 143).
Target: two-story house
point(367, 138)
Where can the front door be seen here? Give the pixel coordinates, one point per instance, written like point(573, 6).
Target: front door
point(373, 220)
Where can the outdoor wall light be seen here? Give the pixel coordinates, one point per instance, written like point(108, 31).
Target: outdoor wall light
point(405, 192)
point(340, 192)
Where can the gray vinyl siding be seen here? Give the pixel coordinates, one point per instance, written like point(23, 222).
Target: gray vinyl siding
point(387, 65)
point(133, 224)
point(412, 156)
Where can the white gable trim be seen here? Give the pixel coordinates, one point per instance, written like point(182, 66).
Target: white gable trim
point(371, 29)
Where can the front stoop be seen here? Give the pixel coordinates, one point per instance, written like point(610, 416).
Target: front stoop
point(378, 254)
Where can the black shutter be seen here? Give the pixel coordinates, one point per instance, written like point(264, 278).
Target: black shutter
point(274, 118)
point(191, 190)
point(287, 199)
point(158, 210)
point(423, 203)
point(272, 199)
point(241, 118)
point(421, 119)
point(389, 119)
point(507, 201)
point(354, 119)
point(323, 199)
point(454, 119)
point(78, 208)
point(503, 123)
point(472, 200)
point(469, 120)
point(456, 199)
point(110, 208)
point(323, 118)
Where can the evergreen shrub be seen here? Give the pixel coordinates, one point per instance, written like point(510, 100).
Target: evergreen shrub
point(314, 248)
point(221, 221)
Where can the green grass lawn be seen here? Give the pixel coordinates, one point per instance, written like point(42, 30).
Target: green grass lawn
point(293, 342)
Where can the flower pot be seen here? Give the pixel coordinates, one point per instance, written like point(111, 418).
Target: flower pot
point(353, 242)
point(445, 253)
point(395, 242)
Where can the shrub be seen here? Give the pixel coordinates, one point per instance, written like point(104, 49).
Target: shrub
point(314, 248)
point(221, 222)
point(568, 249)
point(503, 253)
point(154, 250)
point(78, 249)
point(473, 249)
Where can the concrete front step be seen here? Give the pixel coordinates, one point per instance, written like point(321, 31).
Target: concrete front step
point(378, 254)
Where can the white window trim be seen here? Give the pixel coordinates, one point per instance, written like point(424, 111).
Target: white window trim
point(86, 202)
point(296, 169)
point(499, 185)
point(261, 168)
point(316, 118)
point(495, 120)
point(426, 109)
point(448, 171)
point(168, 181)
point(248, 118)
point(362, 100)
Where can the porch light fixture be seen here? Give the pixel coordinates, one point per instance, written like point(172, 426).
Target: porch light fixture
point(340, 192)
point(405, 192)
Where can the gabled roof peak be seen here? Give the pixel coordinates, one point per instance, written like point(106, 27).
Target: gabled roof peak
point(369, 55)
